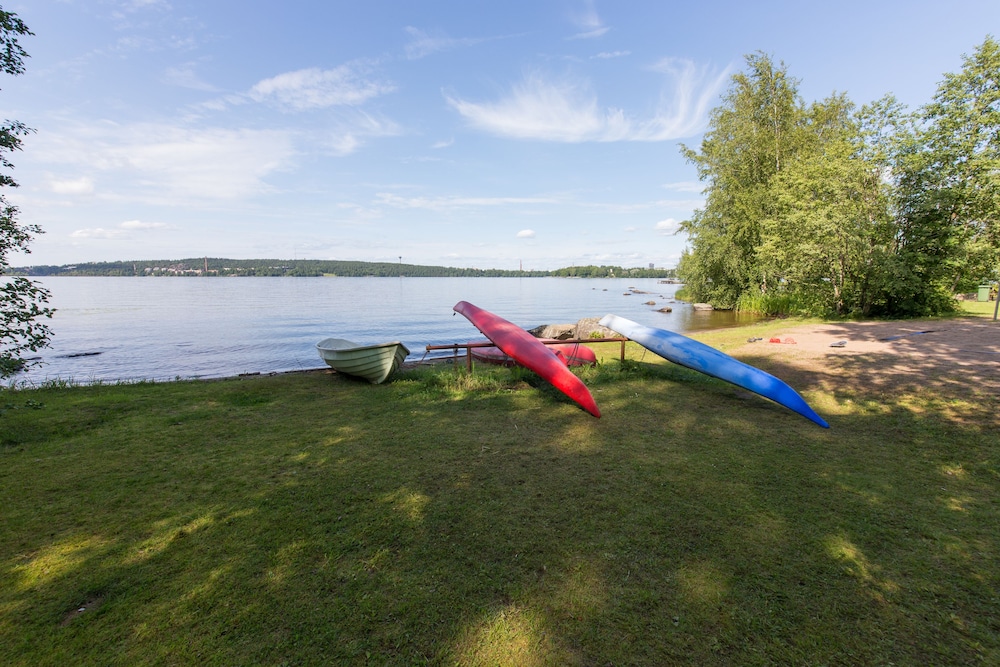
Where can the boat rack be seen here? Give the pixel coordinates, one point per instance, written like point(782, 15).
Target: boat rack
point(468, 357)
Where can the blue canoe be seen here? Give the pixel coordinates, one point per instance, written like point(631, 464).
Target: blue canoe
point(700, 357)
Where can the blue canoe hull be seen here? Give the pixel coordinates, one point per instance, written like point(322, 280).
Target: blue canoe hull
point(700, 357)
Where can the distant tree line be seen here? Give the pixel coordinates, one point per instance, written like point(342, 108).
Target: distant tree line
point(612, 272)
point(827, 208)
point(212, 266)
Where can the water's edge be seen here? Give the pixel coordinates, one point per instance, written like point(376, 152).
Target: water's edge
point(128, 329)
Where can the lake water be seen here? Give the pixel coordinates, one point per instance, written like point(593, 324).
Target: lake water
point(166, 328)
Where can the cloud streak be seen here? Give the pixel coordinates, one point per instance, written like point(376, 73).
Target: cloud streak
point(568, 111)
point(589, 23)
point(422, 44)
point(314, 88)
point(121, 232)
point(72, 186)
point(457, 203)
point(667, 227)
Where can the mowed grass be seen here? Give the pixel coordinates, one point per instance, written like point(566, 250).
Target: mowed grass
point(980, 308)
point(486, 520)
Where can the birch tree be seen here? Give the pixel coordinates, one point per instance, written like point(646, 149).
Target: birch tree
point(752, 136)
point(22, 301)
point(962, 166)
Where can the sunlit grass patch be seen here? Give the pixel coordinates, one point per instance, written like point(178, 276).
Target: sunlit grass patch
point(979, 308)
point(56, 560)
point(512, 635)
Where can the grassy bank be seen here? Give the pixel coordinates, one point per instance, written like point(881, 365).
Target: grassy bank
point(442, 519)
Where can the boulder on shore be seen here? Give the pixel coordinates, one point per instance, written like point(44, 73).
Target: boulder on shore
point(589, 327)
point(703, 306)
point(555, 331)
point(583, 329)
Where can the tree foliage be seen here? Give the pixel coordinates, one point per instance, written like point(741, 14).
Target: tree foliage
point(829, 209)
point(22, 302)
point(959, 168)
point(752, 136)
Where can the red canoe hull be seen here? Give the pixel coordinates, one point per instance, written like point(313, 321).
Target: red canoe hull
point(529, 352)
point(572, 354)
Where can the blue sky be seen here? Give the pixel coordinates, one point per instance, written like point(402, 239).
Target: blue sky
point(474, 134)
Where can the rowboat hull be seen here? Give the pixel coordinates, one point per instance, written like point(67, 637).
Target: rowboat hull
point(529, 352)
point(572, 354)
point(700, 357)
point(374, 363)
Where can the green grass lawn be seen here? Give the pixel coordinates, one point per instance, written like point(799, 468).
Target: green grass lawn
point(442, 519)
point(981, 308)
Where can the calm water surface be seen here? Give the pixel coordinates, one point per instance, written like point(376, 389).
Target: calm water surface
point(165, 328)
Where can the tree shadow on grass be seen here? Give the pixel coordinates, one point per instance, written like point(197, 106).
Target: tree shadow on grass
point(692, 524)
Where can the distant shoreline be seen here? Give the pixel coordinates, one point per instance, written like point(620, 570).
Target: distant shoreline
point(313, 268)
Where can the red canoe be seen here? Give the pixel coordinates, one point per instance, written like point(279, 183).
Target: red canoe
point(572, 354)
point(529, 352)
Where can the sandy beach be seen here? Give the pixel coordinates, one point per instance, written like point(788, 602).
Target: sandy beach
point(900, 354)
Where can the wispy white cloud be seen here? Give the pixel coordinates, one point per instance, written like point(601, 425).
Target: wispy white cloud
point(622, 208)
point(448, 203)
point(526, 234)
point(72, 186)
point(591, 34)
point(685, 106)
point(422, 44)
point(540, 109)
point(139, 224)
point(685, 186)
point(588, 22)
point(667, 227)
point(164, 163)
point(608, 55)
point(568, 111)
point(122, 12)
point(351, 130)
point(137, 5)
point(121, 232)
point(150, 26)
point(98, 233)
point(341, 92)
point(184, 76)
point(314, 88)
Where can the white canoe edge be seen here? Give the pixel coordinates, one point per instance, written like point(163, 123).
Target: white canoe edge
point(374, 363)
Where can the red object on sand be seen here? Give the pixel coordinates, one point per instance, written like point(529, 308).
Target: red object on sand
point(527, 351)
